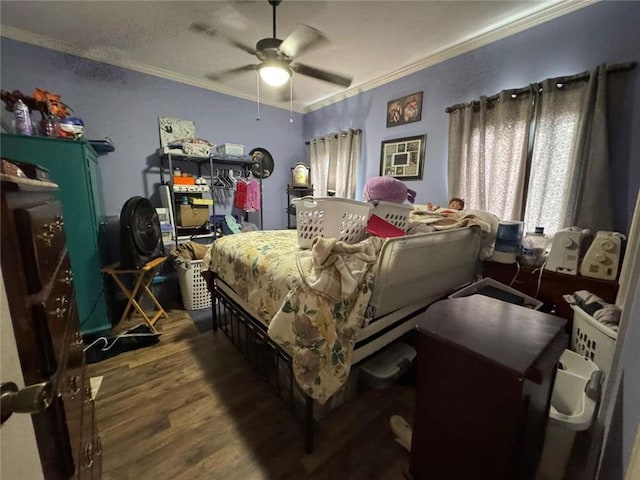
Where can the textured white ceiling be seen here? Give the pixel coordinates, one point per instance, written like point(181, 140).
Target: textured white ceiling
point(370, 41)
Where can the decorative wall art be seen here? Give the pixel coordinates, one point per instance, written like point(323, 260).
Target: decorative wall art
point(403, 110)
point(172, 129)
point(403, 158)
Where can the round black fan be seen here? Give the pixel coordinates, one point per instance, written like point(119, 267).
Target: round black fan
point(140, 234)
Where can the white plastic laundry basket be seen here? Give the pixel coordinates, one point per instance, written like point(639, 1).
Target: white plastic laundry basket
point(396, 214)
point(330, 217)
point(193, 286)
point(592, 339)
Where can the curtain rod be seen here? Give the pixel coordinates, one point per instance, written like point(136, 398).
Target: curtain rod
point(618, 67)
point(335, 135)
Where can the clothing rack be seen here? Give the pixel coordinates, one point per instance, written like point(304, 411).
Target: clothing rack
point(242, 164)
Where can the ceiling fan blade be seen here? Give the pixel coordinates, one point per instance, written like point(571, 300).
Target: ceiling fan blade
point(229, 73)
point(285, 95)
point(321, 74)
point(303, 38)
point(241, 46)
point(202, 27)
point(205, 28)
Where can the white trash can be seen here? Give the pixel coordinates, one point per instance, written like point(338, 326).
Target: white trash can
point(576, 392)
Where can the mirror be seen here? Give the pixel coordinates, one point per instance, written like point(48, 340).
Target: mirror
point(261, 154)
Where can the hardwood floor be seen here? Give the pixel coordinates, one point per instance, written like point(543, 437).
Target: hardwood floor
point(191, 407)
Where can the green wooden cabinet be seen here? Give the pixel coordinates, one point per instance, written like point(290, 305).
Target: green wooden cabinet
point(73, 165)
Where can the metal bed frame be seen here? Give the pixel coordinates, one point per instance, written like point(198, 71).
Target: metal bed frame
point(265, 356)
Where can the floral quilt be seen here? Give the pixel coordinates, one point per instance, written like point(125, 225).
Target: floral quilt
point(259, 266)
point(313, 301)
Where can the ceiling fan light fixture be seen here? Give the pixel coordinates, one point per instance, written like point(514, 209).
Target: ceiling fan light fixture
point(274, 73)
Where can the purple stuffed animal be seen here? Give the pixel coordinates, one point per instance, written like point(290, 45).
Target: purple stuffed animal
point(387, 189)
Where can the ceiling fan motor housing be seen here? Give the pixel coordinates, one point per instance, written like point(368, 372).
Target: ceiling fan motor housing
point(269, 49)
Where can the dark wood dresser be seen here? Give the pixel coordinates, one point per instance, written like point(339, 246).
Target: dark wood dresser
point(483, 388)
point(39, 286)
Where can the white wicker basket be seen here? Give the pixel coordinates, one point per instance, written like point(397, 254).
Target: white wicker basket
point(330, 217)
point(592, 340)
point(396, 214)
point(193, 286)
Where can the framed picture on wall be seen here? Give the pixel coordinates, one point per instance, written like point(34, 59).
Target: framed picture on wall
point(403, 158)
point(403, 110)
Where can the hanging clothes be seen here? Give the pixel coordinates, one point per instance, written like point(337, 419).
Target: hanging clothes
point(247, 195)
point(253, 196)
point(240, 200)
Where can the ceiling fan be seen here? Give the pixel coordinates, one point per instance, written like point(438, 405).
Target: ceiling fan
point(276, 56)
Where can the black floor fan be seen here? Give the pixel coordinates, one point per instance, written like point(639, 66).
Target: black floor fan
point(140, 235)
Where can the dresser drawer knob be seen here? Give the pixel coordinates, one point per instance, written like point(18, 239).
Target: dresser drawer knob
point(98, 446)
point(88, 455)
point(73, 385)
point(87, 394)
point(46, 237)
point(68, 277)
point(77, 340)
point(59, 223)
point(58, 312)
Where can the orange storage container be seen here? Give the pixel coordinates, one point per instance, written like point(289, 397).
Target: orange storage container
point(184, 180)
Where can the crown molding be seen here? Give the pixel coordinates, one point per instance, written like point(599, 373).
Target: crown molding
point(60, 46)
point(497, 32)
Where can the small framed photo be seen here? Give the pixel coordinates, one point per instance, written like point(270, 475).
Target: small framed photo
point(403, 110)
point(300, 175)
point(403, 158)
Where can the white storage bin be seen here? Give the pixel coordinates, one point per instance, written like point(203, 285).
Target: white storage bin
point(193, 286)
point(230, 149)
point(396, 214)
point(330, 217)
point(384, 367)
point(493, 286)
point(592, 340)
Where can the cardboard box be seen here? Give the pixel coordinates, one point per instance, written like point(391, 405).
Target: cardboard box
point(192, 215)
point(200, 201)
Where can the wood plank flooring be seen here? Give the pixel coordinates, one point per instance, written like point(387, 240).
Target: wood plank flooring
point(192, 408)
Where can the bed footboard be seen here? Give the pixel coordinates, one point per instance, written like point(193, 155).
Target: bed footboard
point(270, 361)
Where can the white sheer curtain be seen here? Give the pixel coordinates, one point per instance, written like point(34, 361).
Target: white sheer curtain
point(319, 163)
point(334, 161)
point(544, 146)
point(570, 177)
point(488, 143)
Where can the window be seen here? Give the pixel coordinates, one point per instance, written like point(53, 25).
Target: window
point(537, 154)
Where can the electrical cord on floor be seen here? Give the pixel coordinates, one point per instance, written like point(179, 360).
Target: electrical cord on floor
point(108, 346)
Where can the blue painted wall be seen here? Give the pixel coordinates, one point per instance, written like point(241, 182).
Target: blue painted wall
point(606, 32)
point(124, 105)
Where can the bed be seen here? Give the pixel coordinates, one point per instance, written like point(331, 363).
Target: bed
point(316, 312)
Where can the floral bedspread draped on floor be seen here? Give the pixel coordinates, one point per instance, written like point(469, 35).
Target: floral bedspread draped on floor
point(312, 300)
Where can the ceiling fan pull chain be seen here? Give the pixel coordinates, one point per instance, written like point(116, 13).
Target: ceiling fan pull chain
point(290, 99)
point(258, 90)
